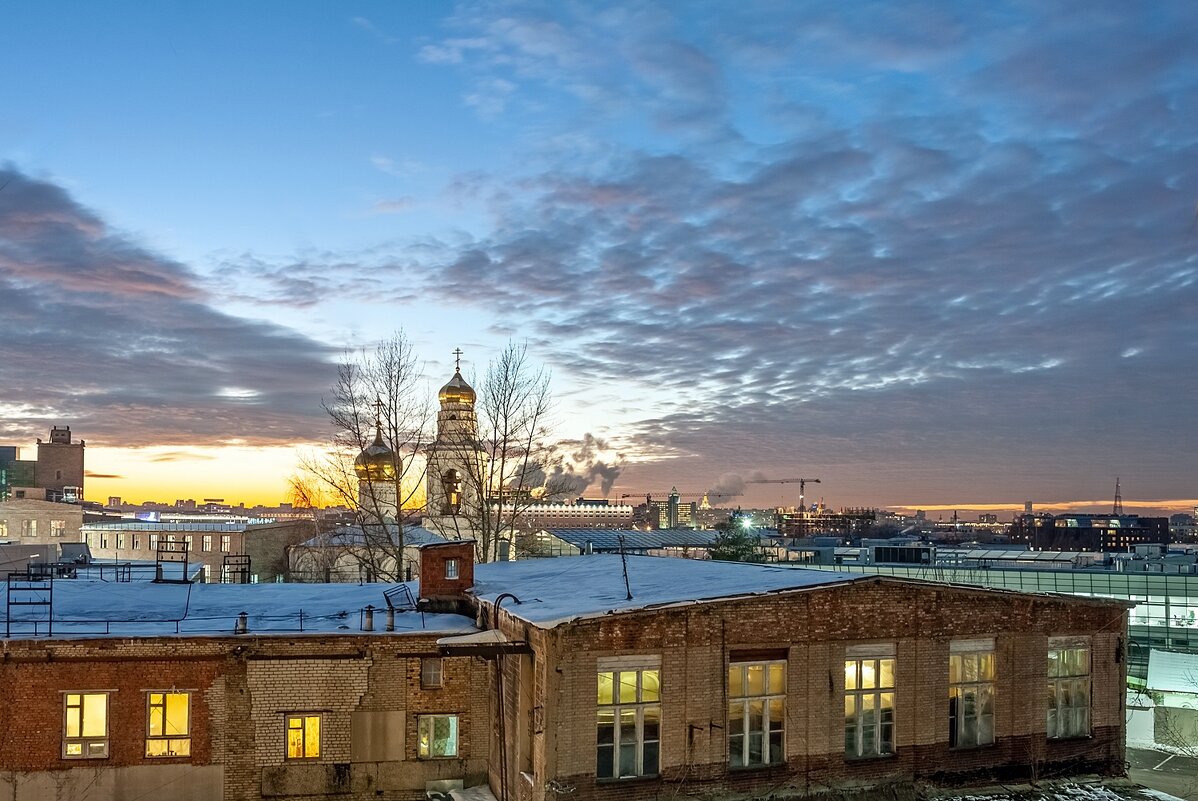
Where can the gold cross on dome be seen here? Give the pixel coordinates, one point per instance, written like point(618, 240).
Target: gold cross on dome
point(457, 360)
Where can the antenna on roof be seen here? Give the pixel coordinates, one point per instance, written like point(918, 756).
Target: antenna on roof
point(624, 559)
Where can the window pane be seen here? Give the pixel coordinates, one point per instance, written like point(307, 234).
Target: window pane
point(954, 669)
point(605, 763)
point(295, 742)
point(652, 751)
point(755, 679)
point(605, 688)
point(736, 750)
point(869, 674)
point(736, 683)
point(176, 713)
point(986, 667)
point(736, 718)
point(627, 681)
point(650, 689)
point(95, 715)
point(777, 714)
point(651, 723)
point(777, 679)
point(887, 668)
point(850, 675)
point(607, 727)
point(312, 736)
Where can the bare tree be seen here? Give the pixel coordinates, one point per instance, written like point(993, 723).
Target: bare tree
point(380, 419)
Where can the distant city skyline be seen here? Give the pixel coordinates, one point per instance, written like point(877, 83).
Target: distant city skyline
point(939, 256)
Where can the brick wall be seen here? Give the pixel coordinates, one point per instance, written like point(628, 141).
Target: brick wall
point(241, 689)
point(434, 584)
point(815, 627)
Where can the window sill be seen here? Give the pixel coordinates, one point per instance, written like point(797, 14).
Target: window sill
point(871, 757)
point(1070, 738)
point(627, 779)
point(967, 748)
point(756, 768)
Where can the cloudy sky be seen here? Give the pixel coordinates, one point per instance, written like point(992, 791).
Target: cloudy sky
point(935, 254)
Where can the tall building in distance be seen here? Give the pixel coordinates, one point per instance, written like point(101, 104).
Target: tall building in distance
point(1089, 532)
point(55, 475)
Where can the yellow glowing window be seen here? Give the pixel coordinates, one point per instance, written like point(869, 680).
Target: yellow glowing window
point(303, 736)
point(168, 732)
point(85, 726)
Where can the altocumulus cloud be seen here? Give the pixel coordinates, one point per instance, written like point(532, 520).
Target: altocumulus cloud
point(122, 343)
point(946, 240)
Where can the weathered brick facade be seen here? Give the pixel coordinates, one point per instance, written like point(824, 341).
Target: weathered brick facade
point(813, 628)
point(526, 702)
point(241, 689)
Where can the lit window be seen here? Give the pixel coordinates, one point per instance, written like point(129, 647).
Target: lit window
point(629, 736)
point(137, 542)
point(120, 542)
point(1068, 692)
point(103, 539)
point(168, 732)
point(430, 672)
point(3, 529)
point(451, 568)
point(303, 736)
point(85, 726)
point(206, 543)
point(190, 540)
point(868, 707)
point(28, 528)
point(58, 528)
point(225, 541)
point(756, 713)
point(438, 736)
point(153, 542)
point(971, 699)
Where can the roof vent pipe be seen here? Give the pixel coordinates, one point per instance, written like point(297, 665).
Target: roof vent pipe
point(368, 618)
point(242, 626)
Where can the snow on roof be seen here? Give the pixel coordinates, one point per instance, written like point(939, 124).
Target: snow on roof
point(554, 591)
point(343, 536)
point(608, 539)
point(85, 608)
point(1172, 672)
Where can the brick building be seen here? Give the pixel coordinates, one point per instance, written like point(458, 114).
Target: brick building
point(32, 521)
point(542, 680)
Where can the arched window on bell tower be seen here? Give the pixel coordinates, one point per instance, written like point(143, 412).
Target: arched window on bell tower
point(451, 482)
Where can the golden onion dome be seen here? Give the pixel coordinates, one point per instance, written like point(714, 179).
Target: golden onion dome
point(376, 462)
point(456, 391)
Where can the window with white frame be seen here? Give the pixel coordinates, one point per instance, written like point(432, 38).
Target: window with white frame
point(58, 528)
point(85, 725)
point(629, 718)
point(206, 543)
point(971, 693)
point(136, 542)
point(120, 542)
point(437, 736)
point(756, 713)
point(430, 671)
point(451, 568)
point(28, 528)
point(3, 529)
point(1068, 688)
point(168, 724)
point(226, 542)
point(153, 542)
point(869, 702)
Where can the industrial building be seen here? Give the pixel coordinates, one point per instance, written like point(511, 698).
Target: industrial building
point(599, 677)
point(1087, 532)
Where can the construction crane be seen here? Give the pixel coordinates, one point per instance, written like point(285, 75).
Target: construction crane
point(802, 482)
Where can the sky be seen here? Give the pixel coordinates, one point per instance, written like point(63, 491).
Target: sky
point(937, 255)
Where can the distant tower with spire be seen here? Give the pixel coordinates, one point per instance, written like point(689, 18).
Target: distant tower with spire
point(457, 462)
